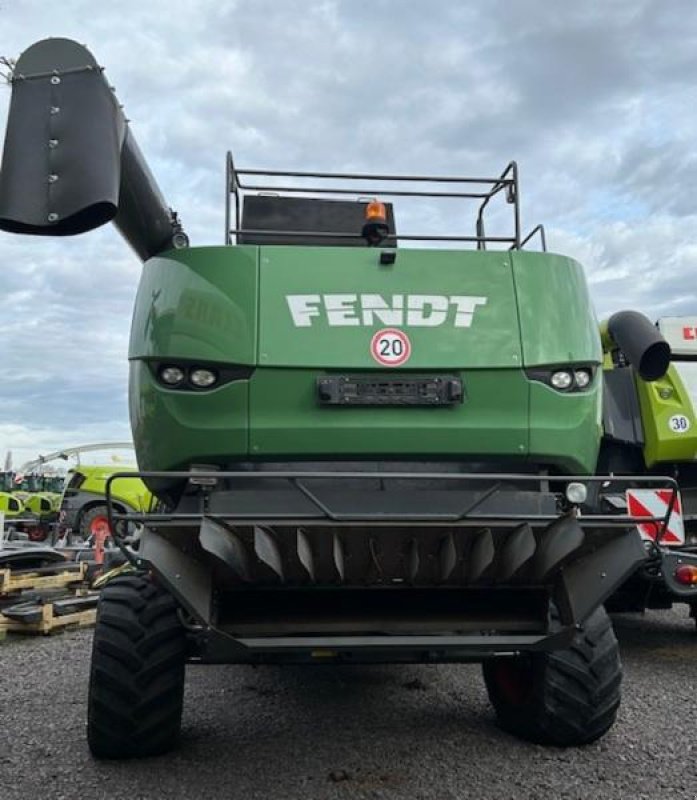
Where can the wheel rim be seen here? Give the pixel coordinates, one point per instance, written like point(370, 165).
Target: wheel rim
point(99, 526)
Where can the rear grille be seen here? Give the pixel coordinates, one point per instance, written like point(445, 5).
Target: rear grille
point(391, 556)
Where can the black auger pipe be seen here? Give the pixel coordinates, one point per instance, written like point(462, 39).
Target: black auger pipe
point(641, 343)
point(70, 163)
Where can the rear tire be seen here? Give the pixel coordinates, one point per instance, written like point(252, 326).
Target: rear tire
point(136, 685)
point(565, 698)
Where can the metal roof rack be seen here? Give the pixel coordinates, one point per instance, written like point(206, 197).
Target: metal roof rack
point(264, 181)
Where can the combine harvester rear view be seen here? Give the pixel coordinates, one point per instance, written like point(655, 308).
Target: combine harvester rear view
point(362, 452)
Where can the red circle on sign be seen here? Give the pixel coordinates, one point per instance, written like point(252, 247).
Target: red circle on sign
point(390, 347)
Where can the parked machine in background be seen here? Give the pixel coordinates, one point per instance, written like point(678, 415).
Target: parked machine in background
point(651, 428)
point(40, 492)
point(362, 451)
point(83, 508)
point(11, 506)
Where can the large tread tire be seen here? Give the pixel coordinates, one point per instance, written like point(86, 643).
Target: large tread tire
point(566, 697)
point(136, 688)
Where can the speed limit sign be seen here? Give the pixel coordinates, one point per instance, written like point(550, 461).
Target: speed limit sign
point(390, 347)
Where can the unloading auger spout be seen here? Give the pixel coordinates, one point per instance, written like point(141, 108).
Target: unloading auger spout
point(70, 163)
point(641, 342)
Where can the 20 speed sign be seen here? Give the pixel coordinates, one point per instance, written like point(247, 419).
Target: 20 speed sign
point(390, 347)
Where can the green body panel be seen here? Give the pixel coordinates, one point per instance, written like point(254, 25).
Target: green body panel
point(463, 312)
point(565, 429)
point(661, 442)
point(169, 427)
point(491, 340)
point(198, 304)
point(130, 491)
point(493, 420)
point(557, 322)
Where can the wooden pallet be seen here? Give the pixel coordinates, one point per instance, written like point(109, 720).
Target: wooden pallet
point(49, 622)
point(12, 582)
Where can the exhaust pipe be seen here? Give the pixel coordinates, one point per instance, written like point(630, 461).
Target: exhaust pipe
point(70, 163)
point(641, 343)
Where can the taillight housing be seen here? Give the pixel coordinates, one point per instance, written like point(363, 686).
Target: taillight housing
point(565, 378)
point(191, 376)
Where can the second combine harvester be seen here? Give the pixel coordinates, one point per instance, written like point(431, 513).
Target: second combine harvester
point(362, 452)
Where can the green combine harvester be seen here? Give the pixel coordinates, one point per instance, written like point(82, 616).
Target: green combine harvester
point(362, 452)
point(29, 504)
point(41, 494)
point(11, 506)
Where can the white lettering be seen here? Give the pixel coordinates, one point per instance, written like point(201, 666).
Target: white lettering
point(340, 309)
point(422, 310)
point(375, 307)
point(465, 308)
point(303, 308)
point(427, 310)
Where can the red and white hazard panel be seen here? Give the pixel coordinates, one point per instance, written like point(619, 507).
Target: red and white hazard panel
point(654, 503)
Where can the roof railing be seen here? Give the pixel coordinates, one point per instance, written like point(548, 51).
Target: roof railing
point(264, 181)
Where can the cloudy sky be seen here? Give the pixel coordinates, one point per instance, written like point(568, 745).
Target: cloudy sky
point(597, 102)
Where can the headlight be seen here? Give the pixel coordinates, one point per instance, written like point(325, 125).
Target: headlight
point(562, 379)
point(171, 375)
point(576, 493)
point(583, 378)
point(203, 378)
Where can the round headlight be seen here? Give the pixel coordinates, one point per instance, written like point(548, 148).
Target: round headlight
point(576, 493)
point(171, 375)
point(583, 378)
point(203, 378)
point(180, 240)
point(562, 379)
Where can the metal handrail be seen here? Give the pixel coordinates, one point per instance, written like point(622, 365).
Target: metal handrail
point(498, 479)
point(236, 186)
point(538, 229)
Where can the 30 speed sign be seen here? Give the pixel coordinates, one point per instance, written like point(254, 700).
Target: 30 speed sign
point(390, 347)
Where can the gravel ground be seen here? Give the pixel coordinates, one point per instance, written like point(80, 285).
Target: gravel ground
point(358, 732)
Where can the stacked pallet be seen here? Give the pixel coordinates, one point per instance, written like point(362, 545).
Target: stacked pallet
point(46, 599)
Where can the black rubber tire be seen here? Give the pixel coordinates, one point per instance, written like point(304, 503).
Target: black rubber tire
point(565, 698)
point(136, 688)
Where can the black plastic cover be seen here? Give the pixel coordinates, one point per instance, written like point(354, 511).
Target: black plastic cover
point(641, 342)
point(366, 390)
point(293, 220)
point(621, 412)
point(70, 163)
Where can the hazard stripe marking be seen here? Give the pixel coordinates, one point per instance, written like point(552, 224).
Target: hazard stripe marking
point(654, 503)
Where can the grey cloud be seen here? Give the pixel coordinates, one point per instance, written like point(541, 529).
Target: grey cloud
point(595, 101)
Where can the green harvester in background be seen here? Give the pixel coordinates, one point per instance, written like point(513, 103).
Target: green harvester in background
point(366, 445)
point(11, 506)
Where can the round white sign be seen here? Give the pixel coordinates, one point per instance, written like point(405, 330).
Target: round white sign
point(679, 423)
point(390, 347)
